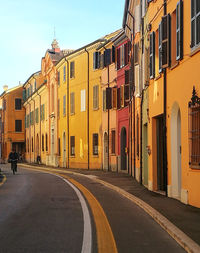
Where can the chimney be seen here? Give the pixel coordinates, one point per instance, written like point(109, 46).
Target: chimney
point(5, 87)
point(55, 46)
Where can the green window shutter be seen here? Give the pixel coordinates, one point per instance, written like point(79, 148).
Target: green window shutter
point(43, 112)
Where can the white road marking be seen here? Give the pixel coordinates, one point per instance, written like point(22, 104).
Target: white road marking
point(87, 231)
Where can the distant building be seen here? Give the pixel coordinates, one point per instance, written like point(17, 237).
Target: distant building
point(12, 122)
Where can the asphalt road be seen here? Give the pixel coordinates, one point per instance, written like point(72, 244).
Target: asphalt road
point(41, 212)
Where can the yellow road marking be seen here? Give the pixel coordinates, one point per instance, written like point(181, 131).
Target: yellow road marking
point(105, 238)
point(4, 180)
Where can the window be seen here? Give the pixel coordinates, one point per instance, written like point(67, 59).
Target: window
point(114, 97)
point(160, 48)
point(122, 96)
point(42, 112)
point(179, 30)
point(18, 104)
point(136, 56)
point(195, 23)
point(122, 56)
point(36, 115)
point(108, 98)
point(35, 84)
point(24, 95)
point(82, 100)
point(58, 77)
point(31, 118)
point(72, 145)
point(58, 108)
point(4, 105)
point(152, 55)
point(96, 97)
point(166, 28)
point(137, 129)
point(194, 131)
point(96, 60)
point(64, 73)
point(72, 69)
point(95, 144)
point(46, 140)
point(72, 103)
point(64, 105)
point(113, 141)
point(18, 125)
point(43, 142)
point(28, 145)
point(107, 57)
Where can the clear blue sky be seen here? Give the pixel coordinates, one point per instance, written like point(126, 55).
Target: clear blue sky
point(27, 30)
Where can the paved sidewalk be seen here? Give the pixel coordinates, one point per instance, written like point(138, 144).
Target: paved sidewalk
point(184, 217)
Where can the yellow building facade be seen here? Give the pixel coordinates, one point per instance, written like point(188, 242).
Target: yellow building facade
point(80, 108)
point(174, 100)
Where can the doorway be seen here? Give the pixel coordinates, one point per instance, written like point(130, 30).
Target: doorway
point(176, 151)
point(105, 152)
point(64, 150)
point(145, 155)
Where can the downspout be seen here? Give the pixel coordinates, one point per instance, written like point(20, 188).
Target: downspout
point(165, 120)
point(67, 113)
point(88, 114)
point(141, 115)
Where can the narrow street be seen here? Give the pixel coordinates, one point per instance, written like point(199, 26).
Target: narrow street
point(43, 212)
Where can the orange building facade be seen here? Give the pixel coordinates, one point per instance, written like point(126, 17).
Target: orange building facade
point(12, 122)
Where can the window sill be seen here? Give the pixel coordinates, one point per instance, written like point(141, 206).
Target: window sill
point(95, 156)
point(72, 156)
point(157, 77)
point(195, 50)
point(194, 167)
point(95, 109)
point(71, 114)
point(175, 65)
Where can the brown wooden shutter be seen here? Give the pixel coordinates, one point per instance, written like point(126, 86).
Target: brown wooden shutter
point(114, 97)
point(166, 41)
point(126, 72)
point(126, 92)
point(179, 30)
point(108, 98)
point(118, 99)
point(125, 54)
point(122, 95)
point(118, 58)
point(113, 53)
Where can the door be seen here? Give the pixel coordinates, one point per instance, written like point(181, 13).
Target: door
point(105, 152)
point(145, 155)
point(64, 150)
point(123, 149)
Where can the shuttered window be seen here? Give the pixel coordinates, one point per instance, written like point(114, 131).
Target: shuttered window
point(96, 60)
point(166, 30)
point(118, 98)
point(114, 97)
point(64, 73)
point(72, 69)
point(108, 98)
point(96, 97)
point(104, 100)
point(64, 105)
point(43, 142)
point(36, 115)
point(152, 55)
point(122, 95)
point(113, 53)
point(125, 54)
point(126, 92)
point(72, 103)
point(126, 73)
point(179, 30)
point(95, 144)
point(18, 104)
point(59, 153)
point(72, 145)
point(107, 57)
point(46, 139)
point(160, 47)
point(136, 51)
point(24, 95)
point(42, 112)
point(195, 23)
point(18, 125)
point(118, 58)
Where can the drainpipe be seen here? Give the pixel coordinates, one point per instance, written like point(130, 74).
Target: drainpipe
point(165, 119)
point(67, 113)
point(141, 115)
point(88, 114)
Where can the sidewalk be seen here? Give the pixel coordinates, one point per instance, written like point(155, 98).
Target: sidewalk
point(184, 217)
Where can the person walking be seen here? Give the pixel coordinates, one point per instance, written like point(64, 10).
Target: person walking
point(13, 158)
